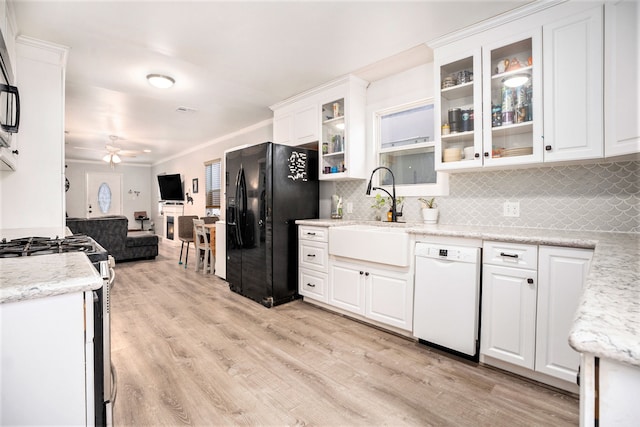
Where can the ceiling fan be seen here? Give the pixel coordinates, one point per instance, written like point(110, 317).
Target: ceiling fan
point(114, 153)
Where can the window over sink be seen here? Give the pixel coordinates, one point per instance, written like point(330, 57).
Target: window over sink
point(405, 143)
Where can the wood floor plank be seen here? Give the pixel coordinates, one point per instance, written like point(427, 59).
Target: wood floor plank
point(190, 352)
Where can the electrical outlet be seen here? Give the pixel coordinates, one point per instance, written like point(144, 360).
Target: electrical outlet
point(511, 209)
point(349, 207)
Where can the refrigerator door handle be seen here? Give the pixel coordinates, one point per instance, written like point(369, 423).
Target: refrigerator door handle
point(240, 194)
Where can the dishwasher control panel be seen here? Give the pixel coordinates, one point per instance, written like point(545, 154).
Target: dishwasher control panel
point(451, 253)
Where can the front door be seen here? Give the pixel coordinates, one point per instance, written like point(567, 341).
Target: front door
point(104, 194)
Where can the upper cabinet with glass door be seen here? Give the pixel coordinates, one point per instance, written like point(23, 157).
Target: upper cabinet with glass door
point(512, 86)
point(458, 109)
point(342, 138)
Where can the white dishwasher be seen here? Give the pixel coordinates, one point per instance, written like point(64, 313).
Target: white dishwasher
point(447, 296)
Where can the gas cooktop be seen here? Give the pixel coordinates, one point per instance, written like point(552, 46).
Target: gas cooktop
point(32, 246)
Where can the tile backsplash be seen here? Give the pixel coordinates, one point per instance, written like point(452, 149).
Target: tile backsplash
point(595, 197)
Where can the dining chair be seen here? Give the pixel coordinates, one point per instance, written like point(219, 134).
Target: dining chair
point(203, 248)
point(185, 234)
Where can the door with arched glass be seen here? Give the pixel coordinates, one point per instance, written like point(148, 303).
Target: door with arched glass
point(104, 194)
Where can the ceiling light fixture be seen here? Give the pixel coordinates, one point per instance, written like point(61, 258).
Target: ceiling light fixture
point(112, 159)
point(516, 80)
point(160, 81)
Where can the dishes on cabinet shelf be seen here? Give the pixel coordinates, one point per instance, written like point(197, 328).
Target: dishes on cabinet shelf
point(333, 137)
point(452, 154)
point(511, 99)
point(520, 151)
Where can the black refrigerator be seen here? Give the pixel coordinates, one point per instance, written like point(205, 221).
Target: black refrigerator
point(268, 187)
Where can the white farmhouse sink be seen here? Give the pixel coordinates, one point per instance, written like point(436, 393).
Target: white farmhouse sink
point(386, 245)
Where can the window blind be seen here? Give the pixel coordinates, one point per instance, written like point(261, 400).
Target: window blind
point(213, 182)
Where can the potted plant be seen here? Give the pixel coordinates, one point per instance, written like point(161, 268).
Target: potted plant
point(378, 206)
point(429, 210)
point(382, 205)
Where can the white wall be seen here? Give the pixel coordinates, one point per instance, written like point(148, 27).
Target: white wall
point(134, 178)
point(191, 165)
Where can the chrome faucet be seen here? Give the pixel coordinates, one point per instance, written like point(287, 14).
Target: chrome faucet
point(394, 214)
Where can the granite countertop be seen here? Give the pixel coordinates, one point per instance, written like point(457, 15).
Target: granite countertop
point(607, 322)
point(31, 277)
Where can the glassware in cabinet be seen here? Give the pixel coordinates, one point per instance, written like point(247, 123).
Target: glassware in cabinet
point(511, 87)
point(333, 137)
point(459, 112)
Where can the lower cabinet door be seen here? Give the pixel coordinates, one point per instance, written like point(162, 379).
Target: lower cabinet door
point(509, 314)
point(389, 298)
point(313, 284)
point(347, 287)
point(562, 274)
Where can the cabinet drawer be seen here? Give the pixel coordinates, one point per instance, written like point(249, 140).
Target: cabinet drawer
point(313, 284)
point(313, 255)
point(318, 234)
point(510, 255)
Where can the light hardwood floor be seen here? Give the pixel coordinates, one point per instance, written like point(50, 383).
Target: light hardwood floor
point(190, 352)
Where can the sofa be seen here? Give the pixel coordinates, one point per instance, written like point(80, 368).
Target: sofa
point(111, 233)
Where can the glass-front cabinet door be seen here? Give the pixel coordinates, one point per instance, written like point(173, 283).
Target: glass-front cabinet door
point(342, 142)
point(512, 86)
point(333, 138)
point(459, 111)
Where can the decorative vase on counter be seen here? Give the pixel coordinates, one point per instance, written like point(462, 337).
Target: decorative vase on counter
point(430, 215)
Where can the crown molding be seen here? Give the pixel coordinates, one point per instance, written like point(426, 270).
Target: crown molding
point(496, 21)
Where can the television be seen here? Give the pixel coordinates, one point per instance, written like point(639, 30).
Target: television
point(170, 188)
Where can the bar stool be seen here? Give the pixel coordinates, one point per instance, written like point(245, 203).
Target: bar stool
point(185, 234)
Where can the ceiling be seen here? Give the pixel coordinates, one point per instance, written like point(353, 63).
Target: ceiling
point(231, 60)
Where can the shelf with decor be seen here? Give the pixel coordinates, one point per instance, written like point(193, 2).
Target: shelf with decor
point(460, 129)
point(511, 98)
point(342, 134)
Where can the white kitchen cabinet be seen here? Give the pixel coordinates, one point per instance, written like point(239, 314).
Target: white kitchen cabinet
point(573, 87)
point(332, 115)
point(47, 361)
point(41, 81)
point(381, 294)
point(513, 130)
point(9, 29)
point(562, 273)
point(459, 83)
point(347, 286)
point(297, 124)
point(389, 297)
point(621, 86)
point(509, 314)
point(9, 155)
point(343, 150)
point(529, 297)
point(608, 392)
point(618, 391)
point(503, 124)
point(557, 115)
point(313, 262)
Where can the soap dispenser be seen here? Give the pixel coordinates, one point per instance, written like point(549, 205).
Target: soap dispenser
point(336, 207)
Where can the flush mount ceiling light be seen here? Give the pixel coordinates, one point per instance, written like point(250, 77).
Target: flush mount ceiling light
point(516, 80)
point(160, 81)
